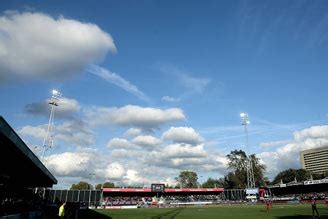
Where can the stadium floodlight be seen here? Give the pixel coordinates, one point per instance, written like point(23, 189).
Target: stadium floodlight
point(55, 92)
point(250, 172)
point(244, 118)
point(48, 140)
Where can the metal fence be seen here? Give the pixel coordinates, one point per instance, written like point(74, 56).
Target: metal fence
point(234, 194)
point(89, 197)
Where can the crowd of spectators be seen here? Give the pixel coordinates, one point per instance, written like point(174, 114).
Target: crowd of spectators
point(301, 196)
point(19, 202)
point(136, 200)
point(192, 198)
point(120, 200)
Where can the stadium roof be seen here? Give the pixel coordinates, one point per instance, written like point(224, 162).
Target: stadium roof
point(18, 164)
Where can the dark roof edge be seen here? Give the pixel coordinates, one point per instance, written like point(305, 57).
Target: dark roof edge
point(10, 133)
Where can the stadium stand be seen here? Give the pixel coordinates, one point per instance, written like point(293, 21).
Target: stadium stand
point(21, 173)
point(122, 197)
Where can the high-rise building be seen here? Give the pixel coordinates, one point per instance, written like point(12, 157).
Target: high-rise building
point(315, 160)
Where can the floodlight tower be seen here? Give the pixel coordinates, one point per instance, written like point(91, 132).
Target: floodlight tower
point(48, 140)
point(249, 166)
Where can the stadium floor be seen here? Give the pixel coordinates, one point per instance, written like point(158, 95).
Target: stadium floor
point(226, 212)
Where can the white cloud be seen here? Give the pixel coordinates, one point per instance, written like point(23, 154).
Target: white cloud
point(66, 108)
point(38, 132)
point(116, 79)
point(170, 99)
point(130, 115)
point(120, 143)
point(182, 135)
point(71, 164)
point(133, 178)
point(123, 153)
point(38, 46)
point(273, 143)
point(312, 132)
point(288, 156)
point(133, 132)
point(114, 170)
point(183, 151)
point(73, 132)
point(146, 140)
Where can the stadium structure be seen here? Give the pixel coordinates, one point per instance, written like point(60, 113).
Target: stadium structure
point(315, 160)
point(26, 188)
point(21, 173)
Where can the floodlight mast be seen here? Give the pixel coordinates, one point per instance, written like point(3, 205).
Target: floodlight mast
point(48, 140)
point(249, 165)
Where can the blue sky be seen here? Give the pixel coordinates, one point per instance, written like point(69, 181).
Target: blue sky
point(154, 87)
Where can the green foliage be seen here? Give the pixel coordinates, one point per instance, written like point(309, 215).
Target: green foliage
point(108, 185)
point(259, 170)
point(98, 186)
point(213, 183)
point(81, 185)
point(238, 164)
point(105, 185)
point(299, 174)
point(188, 179)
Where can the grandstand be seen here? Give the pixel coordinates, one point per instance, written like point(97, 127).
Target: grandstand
point(294, 187)
point(21, 173)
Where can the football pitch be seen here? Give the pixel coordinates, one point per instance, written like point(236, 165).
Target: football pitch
point(229, 212)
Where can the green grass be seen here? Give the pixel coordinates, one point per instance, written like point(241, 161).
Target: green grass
point(226, 212)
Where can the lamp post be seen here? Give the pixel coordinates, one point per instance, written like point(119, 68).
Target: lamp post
point(249, 165)
point(48, 140)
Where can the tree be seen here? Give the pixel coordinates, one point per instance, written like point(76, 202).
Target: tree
point(237, 162)
point(81, 185)
point(187, 179)
point(108, 185)
point(290, 175)
point(258, 170)
point(105, 185)
point(213, 183)
point(287, 176)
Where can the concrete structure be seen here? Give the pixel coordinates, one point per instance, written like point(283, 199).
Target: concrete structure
point(315, 160)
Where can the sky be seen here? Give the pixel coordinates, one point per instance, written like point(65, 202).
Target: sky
point(152, 88)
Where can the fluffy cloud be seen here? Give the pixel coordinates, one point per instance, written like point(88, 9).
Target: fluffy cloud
point(315, 132)
point(66, 108)
point(133, 132)
point(114, 171)
point(73, 132)
point(274, 143)
point(71, 164)
point(133, 178)
point(183, 151)
point(38, 46)
point(130, 115)
point(182, 135)
point(120, 143)
point(38, 132)
point(123, 154)
point(288, 155)
point(146, 140)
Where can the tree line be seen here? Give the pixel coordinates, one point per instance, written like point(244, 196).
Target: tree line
point(236, 178)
